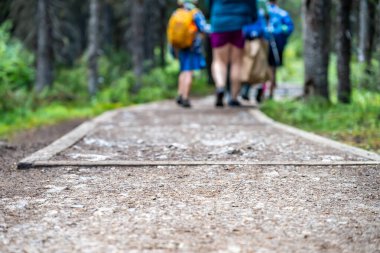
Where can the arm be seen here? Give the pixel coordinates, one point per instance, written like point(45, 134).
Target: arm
point(201, 23)
point(287, 25)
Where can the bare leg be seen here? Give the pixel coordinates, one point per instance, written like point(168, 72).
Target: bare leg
point(180, 84)
point(219, 65)
point(187, 80)
point(236, 64)
point(273, 82)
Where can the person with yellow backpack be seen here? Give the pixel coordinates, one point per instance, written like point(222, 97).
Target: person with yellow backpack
point(184, 35)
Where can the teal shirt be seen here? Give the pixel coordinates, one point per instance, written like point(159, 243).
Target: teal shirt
point(231, 15)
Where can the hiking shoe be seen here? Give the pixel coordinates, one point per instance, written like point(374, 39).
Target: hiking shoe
point(219, 99)
point(186, 103)
point(179, 100)
point(234, 103)
point(260, 95)
point(245, 97)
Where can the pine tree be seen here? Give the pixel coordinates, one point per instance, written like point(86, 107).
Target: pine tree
point(316, 26)
point(93, 47)
point(344, 50)
point(44, 47)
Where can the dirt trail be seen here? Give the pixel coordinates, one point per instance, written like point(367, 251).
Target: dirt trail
point(215, 208)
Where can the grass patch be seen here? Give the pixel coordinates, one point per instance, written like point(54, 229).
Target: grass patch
point(356, 124)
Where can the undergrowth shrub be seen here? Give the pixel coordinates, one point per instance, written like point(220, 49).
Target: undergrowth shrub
point(16, 72)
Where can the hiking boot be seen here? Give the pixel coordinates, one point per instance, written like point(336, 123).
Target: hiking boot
point(260, 95)
point(234, 103)
point(179, 100)
point(186, 103)
point(245, 97)
point(219, 99)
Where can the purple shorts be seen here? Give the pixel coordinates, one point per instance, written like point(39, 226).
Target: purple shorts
point(234, 37)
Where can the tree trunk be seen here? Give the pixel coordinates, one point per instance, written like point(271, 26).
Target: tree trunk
point(137, 42)
point(378, 29)
point(4, 10)
point(44, 47)
point(163, 12)
point(93, 47)
point(107, 25)
point(344, 50)
point(316, 24)
point(367, 29)
point(151, 28)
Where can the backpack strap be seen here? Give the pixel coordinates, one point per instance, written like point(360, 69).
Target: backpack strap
point(194, 11)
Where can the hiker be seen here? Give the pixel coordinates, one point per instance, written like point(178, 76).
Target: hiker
point(184, 34)
point(277, 26)
point(227, 20)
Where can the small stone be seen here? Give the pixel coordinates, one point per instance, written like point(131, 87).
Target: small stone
point(233, 151)
point(272, 174)
point(22, 204)
point(177, 146)
point(104, 211)
point(77, 206)
point(259, 206)
point(6, 145)
point(55, 189)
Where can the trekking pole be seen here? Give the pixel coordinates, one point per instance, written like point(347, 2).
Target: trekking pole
point(273, 44)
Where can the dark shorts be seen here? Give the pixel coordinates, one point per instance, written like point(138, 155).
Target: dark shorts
point(273, 62)
point(220, 39)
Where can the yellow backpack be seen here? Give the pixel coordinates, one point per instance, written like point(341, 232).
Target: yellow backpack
point(182, 30)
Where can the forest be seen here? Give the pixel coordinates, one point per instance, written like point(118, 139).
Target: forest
point(62, 59)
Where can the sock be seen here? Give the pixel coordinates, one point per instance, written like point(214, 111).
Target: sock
point(220, 90)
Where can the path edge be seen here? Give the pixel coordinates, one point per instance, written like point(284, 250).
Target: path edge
point(122, 163)
point(263, 118)
point(65, 141)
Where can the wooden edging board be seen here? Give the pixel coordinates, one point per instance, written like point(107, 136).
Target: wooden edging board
point(42, 157)
point(261, 117)
point(65, 141)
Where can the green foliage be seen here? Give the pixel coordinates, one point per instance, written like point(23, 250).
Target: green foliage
point(293, 69)
point(357, 123)
point(367, 77)
point(16, 72)
point(68, 97)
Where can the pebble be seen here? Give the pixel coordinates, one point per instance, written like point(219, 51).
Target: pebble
point(234, 151)
point(104, 211)
point(6, 145)
point(55, 189)
point(272, 174)
point(77, 206)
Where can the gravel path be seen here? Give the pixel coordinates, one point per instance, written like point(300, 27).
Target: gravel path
point(234, 208)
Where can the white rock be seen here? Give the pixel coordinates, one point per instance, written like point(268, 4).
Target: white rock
point(55, 189)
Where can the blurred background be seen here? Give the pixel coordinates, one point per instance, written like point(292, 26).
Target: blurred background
point(64, 59)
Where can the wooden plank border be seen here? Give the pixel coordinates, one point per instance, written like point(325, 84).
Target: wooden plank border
point(261, 117)
point(65, 141)
point(123, 163)
point(42, 157)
